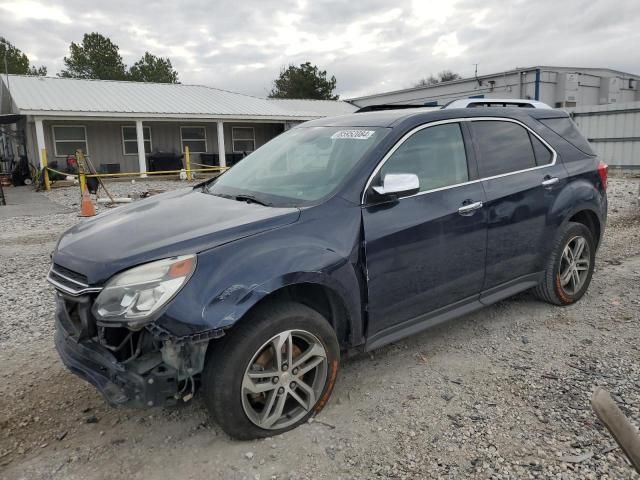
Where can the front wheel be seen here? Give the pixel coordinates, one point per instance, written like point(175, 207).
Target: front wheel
point(569, 269)
point(275, 370)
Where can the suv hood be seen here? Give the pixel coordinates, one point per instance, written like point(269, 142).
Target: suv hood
point(174, 223)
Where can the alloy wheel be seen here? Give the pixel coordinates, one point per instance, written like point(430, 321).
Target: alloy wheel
point(284, 379)
point(574, 265)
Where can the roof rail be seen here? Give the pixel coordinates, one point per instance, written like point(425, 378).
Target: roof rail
point(377, 108)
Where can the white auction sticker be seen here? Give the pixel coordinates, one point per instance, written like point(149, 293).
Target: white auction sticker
point(353, 134)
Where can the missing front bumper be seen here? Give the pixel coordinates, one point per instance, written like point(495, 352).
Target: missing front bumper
point(117, 384)
point(145, 380)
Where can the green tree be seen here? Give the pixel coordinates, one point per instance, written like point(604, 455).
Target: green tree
point(305, 81)
point(96, 57)
point(153, 69)
point(17, 62)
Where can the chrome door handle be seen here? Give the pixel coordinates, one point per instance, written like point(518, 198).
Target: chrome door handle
point(470, 208)
point(550, 181)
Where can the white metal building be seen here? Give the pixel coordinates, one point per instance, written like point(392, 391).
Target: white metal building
point(555, 86)
point(613, 131)
point(117, 123)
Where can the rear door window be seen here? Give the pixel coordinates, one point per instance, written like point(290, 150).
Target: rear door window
point(435, 154)
point(503, 147)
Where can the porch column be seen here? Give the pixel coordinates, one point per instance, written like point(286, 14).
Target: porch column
point(40, 140)
point(142, 160)
point(223, 161)
point(13, 143)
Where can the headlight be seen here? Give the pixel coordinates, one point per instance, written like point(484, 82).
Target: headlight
point(134, 295)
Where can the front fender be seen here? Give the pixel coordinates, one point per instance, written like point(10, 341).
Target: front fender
point(234, 302)
point(232, 278)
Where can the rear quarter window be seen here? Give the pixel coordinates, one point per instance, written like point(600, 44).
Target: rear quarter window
point(543, 154)
point(567, 129)
point(503, 147)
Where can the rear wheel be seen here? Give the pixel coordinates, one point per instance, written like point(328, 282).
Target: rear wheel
point(275, 370)
point(569, 269)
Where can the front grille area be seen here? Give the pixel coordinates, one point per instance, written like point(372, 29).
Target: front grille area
point(69, 282)
point(70, 274)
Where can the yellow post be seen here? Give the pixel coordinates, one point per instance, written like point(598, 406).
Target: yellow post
point(187, 161)
point(81, 178)
point(45, 170)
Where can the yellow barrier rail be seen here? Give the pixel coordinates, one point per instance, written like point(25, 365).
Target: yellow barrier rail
point(161, 172)
point(82, 175)
point(66, 174)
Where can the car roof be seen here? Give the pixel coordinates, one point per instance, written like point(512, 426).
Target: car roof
point(391, 118)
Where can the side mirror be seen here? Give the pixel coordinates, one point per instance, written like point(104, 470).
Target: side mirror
point(398, 184)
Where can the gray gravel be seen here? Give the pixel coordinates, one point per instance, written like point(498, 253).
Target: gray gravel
point(502, 393)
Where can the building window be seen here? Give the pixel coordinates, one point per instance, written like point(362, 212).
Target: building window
point(69, 138)
point(130, 140)
point(195, 138)
point(243, 139)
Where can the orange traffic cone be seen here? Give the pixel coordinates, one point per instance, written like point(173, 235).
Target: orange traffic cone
point(87, 208)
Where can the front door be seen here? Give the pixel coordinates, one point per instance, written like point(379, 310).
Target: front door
point(425, 251)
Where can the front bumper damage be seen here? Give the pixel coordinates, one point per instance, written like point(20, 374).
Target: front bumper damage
point(134, 368)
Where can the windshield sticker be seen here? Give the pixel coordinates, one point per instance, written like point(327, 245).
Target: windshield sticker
point(353, 134)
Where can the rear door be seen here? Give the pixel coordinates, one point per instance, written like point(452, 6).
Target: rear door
point(425, 251)
point(521, 179)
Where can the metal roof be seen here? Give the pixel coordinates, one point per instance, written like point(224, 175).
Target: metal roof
point(493, 75)
point(65, 96)
point(325, 108)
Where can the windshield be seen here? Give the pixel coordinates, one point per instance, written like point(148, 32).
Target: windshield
point(299, 167)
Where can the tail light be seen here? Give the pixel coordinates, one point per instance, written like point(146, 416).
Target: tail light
point(603, 171)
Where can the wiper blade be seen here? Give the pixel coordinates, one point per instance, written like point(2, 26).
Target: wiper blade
point(251, 199)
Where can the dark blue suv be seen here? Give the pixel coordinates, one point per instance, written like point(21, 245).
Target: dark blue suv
point(340, 235)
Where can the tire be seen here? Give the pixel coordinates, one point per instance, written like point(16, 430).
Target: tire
point(246, 361)
point(554, 287)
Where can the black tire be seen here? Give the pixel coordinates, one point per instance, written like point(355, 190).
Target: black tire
point(550, 288)
point(228, 361)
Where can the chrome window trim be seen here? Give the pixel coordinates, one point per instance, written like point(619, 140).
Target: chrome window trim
point(458, 120)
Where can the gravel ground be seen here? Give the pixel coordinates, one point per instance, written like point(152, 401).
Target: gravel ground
point(503, 393)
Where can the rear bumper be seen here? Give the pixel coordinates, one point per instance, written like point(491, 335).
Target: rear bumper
point(119, 384)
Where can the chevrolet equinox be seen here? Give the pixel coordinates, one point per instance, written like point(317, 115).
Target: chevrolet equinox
point(340, 235)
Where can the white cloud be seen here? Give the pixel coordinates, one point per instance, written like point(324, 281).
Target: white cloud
point(26, 10)
point(369, 46)
point(448, 46)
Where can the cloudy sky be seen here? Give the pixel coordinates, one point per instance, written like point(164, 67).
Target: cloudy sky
point(370, 46)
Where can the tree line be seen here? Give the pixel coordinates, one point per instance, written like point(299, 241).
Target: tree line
point(97, 57)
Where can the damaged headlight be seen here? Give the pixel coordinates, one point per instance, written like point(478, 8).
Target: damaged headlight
point(136, 294)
